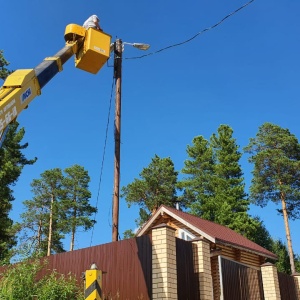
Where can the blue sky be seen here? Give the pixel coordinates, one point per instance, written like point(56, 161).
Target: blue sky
point(242, 73)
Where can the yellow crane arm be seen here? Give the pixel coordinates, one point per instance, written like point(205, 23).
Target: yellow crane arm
point(91, 49)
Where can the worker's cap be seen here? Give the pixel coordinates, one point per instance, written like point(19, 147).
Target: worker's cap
point(95, 17)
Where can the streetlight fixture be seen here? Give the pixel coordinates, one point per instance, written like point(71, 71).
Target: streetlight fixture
point(118, 48)
point(139, 46)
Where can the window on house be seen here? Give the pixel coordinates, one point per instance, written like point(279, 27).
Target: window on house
point(185, 235)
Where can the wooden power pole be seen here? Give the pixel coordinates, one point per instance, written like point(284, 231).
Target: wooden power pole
point(116, 195)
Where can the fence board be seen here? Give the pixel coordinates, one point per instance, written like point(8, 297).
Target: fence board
point(287, 287)
point(127, 264)
point(240, 282)
point(187, 280)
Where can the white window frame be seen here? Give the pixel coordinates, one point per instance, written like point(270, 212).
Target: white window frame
point(184, 234)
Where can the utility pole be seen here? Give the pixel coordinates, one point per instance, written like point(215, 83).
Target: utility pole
point(116, 195)
point(118, 50)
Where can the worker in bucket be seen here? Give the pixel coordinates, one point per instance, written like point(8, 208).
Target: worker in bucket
point(92, 22)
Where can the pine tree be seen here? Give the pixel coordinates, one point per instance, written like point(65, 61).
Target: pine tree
point(275, 153)
point(12, 161)
point(283, 262)
point(214, 187)
point(156, 186)
point(76, 201)
point(33, 241)
point(44, 214)
point(228, 181)
point(4, 72)
point(60, 205)
point(197, 187)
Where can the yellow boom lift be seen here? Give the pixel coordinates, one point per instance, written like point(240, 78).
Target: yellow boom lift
point(91, 48)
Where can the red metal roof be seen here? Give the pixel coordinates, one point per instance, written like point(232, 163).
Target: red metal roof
point(213, 231)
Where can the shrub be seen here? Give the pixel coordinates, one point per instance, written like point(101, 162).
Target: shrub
point(18, 282)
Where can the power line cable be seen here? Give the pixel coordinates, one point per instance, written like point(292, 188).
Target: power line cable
point(142, 56)
point(103, 157)
point(193, 37)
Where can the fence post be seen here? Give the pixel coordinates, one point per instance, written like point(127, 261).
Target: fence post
point(270, 281)
point(164, 271)
point(93, 283)
point(297, 283)
point(201, 252)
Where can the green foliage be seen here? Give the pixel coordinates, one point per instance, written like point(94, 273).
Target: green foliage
point(197, 187)
point(60, 205)
point(19, 282)
point(4, 72)
point(12, 162)
point(214, 187)
point(58, 287)
point(283, 262)
point(259, 234)
point(275, 153)
point(43, 213)
point(297, 263)
point(76, 201)
point(128, 234)
point(228, 180)
point(156, 186)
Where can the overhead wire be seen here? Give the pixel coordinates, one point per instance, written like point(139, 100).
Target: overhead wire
point(103, 157)
point(197, 34)
point(142, 56)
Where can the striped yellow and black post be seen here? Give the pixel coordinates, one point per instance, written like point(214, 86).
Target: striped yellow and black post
point(93, 284)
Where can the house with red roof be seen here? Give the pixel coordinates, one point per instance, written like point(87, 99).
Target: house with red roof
point(228, 242)
point(225, 264)
point(179, 256)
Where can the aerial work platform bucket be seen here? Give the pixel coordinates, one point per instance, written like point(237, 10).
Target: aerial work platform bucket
point(94, 52)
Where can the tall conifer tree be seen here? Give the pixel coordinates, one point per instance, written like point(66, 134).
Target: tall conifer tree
point(156, 186)
point(214, 187)
point(275, 153)
point(197, 187)
point(12, 162)
point(43, 216)
point(76, 201)
point(228, 181)
point(60, 206)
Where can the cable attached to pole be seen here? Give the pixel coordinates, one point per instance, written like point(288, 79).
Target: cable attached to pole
point(193, 37)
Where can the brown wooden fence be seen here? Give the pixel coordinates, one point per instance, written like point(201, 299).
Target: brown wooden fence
point(239, 282)
point(128, 272)
point(187, 280)
point(287, 287)
point(127, 263)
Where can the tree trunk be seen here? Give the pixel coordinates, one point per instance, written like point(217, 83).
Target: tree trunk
point(72, 239)
point(288, 234)
point(73, 227)
point(39, 236)
point(50, 227)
